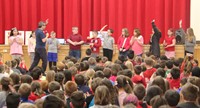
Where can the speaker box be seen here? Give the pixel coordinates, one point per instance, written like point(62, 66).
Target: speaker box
point(180, 36)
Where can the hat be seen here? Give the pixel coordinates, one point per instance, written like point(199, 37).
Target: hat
point(41, 23)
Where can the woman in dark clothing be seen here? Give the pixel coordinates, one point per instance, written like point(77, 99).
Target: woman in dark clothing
point(155, 40)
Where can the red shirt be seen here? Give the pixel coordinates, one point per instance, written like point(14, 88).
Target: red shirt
point(174, 83)
point(34, 97)
point(96, 46)
point(75, 38)
point(1, 63)
point(121, 40)
point(169, 41)
point(138, 79)
point(149, 72)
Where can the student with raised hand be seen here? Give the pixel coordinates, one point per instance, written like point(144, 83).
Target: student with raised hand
point(190, 39)
point(75, 41)
point(155, 40)
point(15, 41)
point(108, 43)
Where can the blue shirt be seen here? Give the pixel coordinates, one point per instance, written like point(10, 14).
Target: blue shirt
point(39, 36)
point(25, 100)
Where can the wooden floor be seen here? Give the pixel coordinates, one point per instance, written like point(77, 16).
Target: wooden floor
point(64, 50)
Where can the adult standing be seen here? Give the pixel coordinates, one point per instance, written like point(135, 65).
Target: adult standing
point(40, 50)
point(75, 41)
point(155, 40)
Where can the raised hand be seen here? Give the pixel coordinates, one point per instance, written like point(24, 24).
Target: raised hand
point(153, 20)
point(180, 23)
point(47, 21)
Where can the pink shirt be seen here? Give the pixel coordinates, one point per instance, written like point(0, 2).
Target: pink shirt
point(136, 47)
point(31, 44)
point(15, 48)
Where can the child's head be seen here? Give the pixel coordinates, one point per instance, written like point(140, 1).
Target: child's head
point(104, 59)
point(140, 91)
point(53, 85)
point(137, 69)
point(110, 31)
point(136, 32)
point(91, 61)
point(130, 54)
point(27, 105)
point(183, 81)
point(50, 76)
point(115, 69)
point(125, 83)
point(53, 34)
point(130, 99)
point(59, 77)
point(125, 32)
point(160, 82)
point(79, 79)
point(36, 88)
point(14, 32)
point(152, 91)
point(88, 52)
point(90, 73)
point(5, 82)
point(36, 73)
point(189, 92)
point(172, 97)
point(170, 32)
point(196, 71)
point(99, 74)
point(60, 94)
point(158, 101)
point(14, 63)
point(122, 58)
point(15, 78)
point(102, 96)
point(77, 100)
point(175, 72)
point(75, 30)
point(160, 72)
point(32, 34)
point(25, 90)
point(2, 69)
point(169, 64)
point(12, 100)
point(94, 34)
point(129, 65)
point(148, 61)
point(107, 72)
point(70, 87)
point(52, 101)
point(95, 83)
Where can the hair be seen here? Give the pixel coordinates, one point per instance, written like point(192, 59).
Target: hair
point(172, 97)
point(126, 32)
point(2, 68)
point(12, 100)
point(73, 70)
point(13, 63)
point(140, 91)
point(36, 73)
point(187, 68)
point(158, 101)
point(190, 92)
point(54, 68)
point(26, 79)
point(137, 31)
point(98, 68)
point(130, 54)
point(107, 72)
point(169, 64)
point(44, 85)
point(24, 90)
point(126, 72)
point(98, 59)
point(190, 35)
point(122, 58)
point(124, 82)
point(36, 88)
point(175, 72)
point(102, 96)
point(137, 69)
point(12, 30)
point(196, 71)
point(91, 61)
point(115, 69)
point(171, 30)
point(99, 74)
point(60, 94)
point(129, 106)
point(148, 61)
point(111, 30)
point(95, 83)
point(59, 77)
point(53, 33)
point(160, 72)
point(5, 82)
point(53, 102)
point(160, 82)
point(15, 78)
point(88, 52)
point(39, 103)
point(95, 32)
point(183, 81)
point(163, 57)
point(151, 92)
point(27, 105)
point(70, 87)
point(90, 73)
point(79, 79)
point(104, 59)
point(53, 85)
point(78, 99)
point(50, 76)
point(31, 34)
point(129, 65)
point(68, 75)
point(130, 98)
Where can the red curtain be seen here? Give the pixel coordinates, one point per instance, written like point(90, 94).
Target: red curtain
point(93, 14)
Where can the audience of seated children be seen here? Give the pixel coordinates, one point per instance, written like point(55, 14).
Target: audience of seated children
point(174, 81)
point(137, 78)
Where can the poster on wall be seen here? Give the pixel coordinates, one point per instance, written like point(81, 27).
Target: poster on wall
point(7, 34)
point(27, 35)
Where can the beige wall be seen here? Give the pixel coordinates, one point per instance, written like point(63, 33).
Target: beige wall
point(195, 17)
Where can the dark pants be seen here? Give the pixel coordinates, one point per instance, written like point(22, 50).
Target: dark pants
point(75, 53)
point(108, 53)
point(40, 53)
point(124, 53)
point(51, 64)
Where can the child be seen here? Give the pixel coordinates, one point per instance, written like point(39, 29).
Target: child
point(172, 98)
point(137, 42)
point(36, 91)
point(137, 78)
point(169, 44)
point(53, 46)
point(15, 42)
point(168, 67)
point(75, 41)
point(80, 81)
point(124, 42)
point(108, 43)
point(150, 70)
point(25, 91)
point(88, 54)
point(174, 81)
point(31, 46)
point(78, 100)
point(95, 43)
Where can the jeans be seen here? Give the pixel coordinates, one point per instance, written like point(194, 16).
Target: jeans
point(75, 53)
point(108, 53)
point(40, 53)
